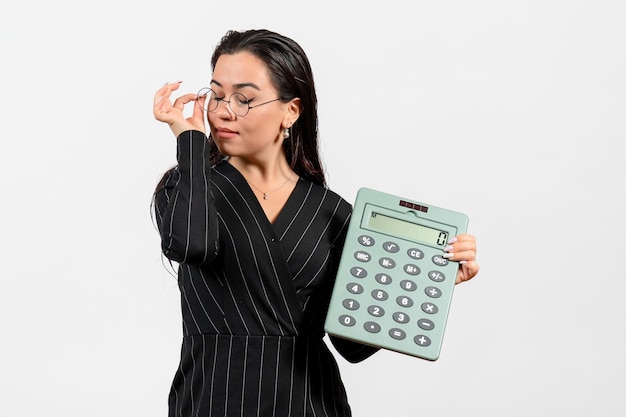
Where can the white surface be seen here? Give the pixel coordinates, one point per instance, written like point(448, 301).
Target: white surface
point(512, 112)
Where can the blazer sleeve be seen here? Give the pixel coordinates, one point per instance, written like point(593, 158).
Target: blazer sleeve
point(351, 351)
point(184, 205)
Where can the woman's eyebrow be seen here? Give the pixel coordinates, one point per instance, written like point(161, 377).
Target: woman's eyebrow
point(238, 86)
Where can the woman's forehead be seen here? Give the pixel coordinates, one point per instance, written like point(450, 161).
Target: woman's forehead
point(240, 69)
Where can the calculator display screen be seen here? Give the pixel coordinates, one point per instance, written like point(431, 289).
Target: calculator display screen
point(408, 230)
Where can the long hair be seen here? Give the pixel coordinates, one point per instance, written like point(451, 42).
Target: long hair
point(291, 75)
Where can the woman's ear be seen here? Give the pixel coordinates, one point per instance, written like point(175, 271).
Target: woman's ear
point(293, 112)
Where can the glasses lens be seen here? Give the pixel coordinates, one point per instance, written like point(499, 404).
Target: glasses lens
point(239, 104)
point(210, 101)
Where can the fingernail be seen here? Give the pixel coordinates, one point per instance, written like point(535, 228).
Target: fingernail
point(451, 241)
point(447, 255)
point(448, 248)
point(462, 262)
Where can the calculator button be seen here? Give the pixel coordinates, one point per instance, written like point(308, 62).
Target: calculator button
point(436, 276)
point(366, 240)
point(376, 311)
point(362, 256)
point(415, 253)
point(387, 263)
point(412, 269)
point(358, 272)
point(404, 301)
point(421, 340)
point(408, 285)
point(439, 260)
point(351, 304)
point(347, 320)
point(432, 292)
point(372, 327)
point(354, 288)
point(401, 317)
point(380, 295)
point(391, 247)
point(397, 334)
point(429, 308)
point(383, 279)
point(425, 324)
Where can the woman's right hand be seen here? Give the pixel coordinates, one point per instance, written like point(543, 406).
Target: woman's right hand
point(172, 114)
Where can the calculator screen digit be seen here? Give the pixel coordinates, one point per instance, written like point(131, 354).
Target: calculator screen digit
point(408, 230)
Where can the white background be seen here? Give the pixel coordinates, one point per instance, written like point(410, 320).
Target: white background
point(510, 111)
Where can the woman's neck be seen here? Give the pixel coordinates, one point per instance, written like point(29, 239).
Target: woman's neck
point(266, 175)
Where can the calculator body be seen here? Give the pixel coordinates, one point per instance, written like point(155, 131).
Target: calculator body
point(394, 287)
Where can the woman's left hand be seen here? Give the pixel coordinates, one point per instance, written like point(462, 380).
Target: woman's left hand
point(462, 249)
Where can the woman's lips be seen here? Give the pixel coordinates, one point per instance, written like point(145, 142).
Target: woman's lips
point(224, 133)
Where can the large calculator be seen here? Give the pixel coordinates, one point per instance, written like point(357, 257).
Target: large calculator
point(394, 287)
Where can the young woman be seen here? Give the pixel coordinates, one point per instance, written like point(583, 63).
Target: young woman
point(257, 237)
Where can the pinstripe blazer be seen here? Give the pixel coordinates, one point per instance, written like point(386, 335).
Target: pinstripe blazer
point(254, 294)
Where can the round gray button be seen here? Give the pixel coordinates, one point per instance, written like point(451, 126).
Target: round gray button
point(411, 269)
point(401, 317)
point(354, 288)
point(383, 279)
point(362, 256)
point(397, 334)
point(387, 263)
point(358, 272)
point(439, 260)
point(372, 327)
point(391, 247)
point(347, 320)
point(432, 292)
point(436, 276)
point(421, 340)
point(425, 324)
point(376, 311)
point(380, 295)
point(404, 301)
point(415, 253)
point(429, 308)
point(408, 285)
point(366, 240)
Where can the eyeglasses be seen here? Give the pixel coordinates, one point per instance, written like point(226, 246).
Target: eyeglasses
point(238, 103)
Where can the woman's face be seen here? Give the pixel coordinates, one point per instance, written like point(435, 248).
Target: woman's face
point(258, 134)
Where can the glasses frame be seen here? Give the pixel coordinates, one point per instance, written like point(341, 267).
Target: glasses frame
point(209, 91)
